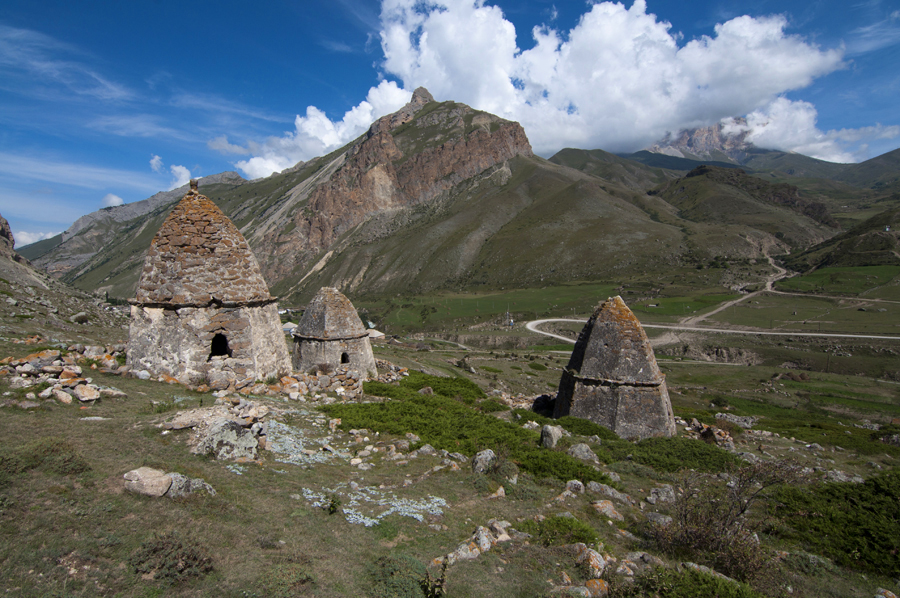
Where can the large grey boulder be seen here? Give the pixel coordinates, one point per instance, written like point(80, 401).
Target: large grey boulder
point(226, 439)
point(550, 435)
point(148, 481)
point(583, 451)
point(482, 461)
point(185, 486)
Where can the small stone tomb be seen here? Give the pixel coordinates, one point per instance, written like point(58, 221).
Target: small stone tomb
point(612, 377)
point(330, 335)
point(202, 311)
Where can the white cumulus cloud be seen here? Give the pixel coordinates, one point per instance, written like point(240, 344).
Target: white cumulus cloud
point(619, 80)
point(25, 238)
point(109, 200)
point(180, 176)
point(315, 134)
point(791, 126)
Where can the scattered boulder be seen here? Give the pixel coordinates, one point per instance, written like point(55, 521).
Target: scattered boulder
point(87, 392)
point(583, 451)
point(663, 494)
point(185, 486)
point(227, 439)
point(610, 492)
point(550, 435)
point(482, 461)
point(607, 509)
point(148, 481)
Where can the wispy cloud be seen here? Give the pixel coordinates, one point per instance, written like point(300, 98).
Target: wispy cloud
point(215, 104)
point(336, 46)
point(222, 145)
point(86, 176)
point(111, 200)
point(32, 63)
point(883, 33)
point(137, 125)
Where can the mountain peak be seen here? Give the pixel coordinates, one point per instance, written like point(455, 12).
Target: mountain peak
point(705, 143)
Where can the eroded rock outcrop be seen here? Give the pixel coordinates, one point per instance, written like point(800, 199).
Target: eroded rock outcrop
point(397, 165)
point(613, 379)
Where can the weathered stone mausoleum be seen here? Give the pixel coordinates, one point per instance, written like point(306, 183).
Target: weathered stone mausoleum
point(202, 310)
point(331, 333)
point(613, 379)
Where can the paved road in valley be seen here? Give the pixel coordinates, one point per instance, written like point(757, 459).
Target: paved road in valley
point(533, 326)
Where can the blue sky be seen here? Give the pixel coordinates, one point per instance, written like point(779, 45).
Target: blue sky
point(109, 102)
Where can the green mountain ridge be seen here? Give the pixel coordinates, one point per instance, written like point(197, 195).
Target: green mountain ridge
point(439, 196)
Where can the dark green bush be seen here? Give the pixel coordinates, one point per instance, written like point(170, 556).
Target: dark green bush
point(492, 406)
point(399, 576)
point(538, 367)
point(670, 454)
point(687, 583)
point(585, 427)
point(169, 558)
point(559, 530)
point(857, 525)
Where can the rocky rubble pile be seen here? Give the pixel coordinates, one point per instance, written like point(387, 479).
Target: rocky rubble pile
point(64, 373)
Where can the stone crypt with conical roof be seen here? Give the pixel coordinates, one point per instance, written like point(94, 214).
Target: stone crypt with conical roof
point(613, 379)
point(331, 333)
point(202, 310)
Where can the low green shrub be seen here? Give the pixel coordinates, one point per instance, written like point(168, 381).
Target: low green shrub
point(538, 367)
point(560, 530)
point(687, 583)
point(669, 454)
point(487, 368)
point(402, 576)
point(168, 558)
point(585, 427)
point(449, 424)
point(492, 406)
point(855, 524)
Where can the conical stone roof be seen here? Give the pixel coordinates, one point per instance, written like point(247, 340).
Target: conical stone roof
point(614, 347)
point(199, 257)
point(330, 316)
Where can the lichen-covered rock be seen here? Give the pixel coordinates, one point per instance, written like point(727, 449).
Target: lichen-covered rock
point(613, 379)
point(226, 439)
point(185, 486)
point(482, 461)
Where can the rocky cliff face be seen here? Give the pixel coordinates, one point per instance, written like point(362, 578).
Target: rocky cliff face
point(8, 242)
point(406, 158)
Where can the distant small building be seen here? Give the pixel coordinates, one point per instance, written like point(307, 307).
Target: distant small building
point(331, 334)
point(612, 378)
point(202, 311)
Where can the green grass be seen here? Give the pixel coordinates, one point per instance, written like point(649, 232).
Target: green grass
point(450, 424)
point(842, 281)
point(855, 524)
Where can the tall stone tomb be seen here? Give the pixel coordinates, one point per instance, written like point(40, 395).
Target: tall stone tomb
point(202, 312)
point(331, 334)
point(612, 377)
